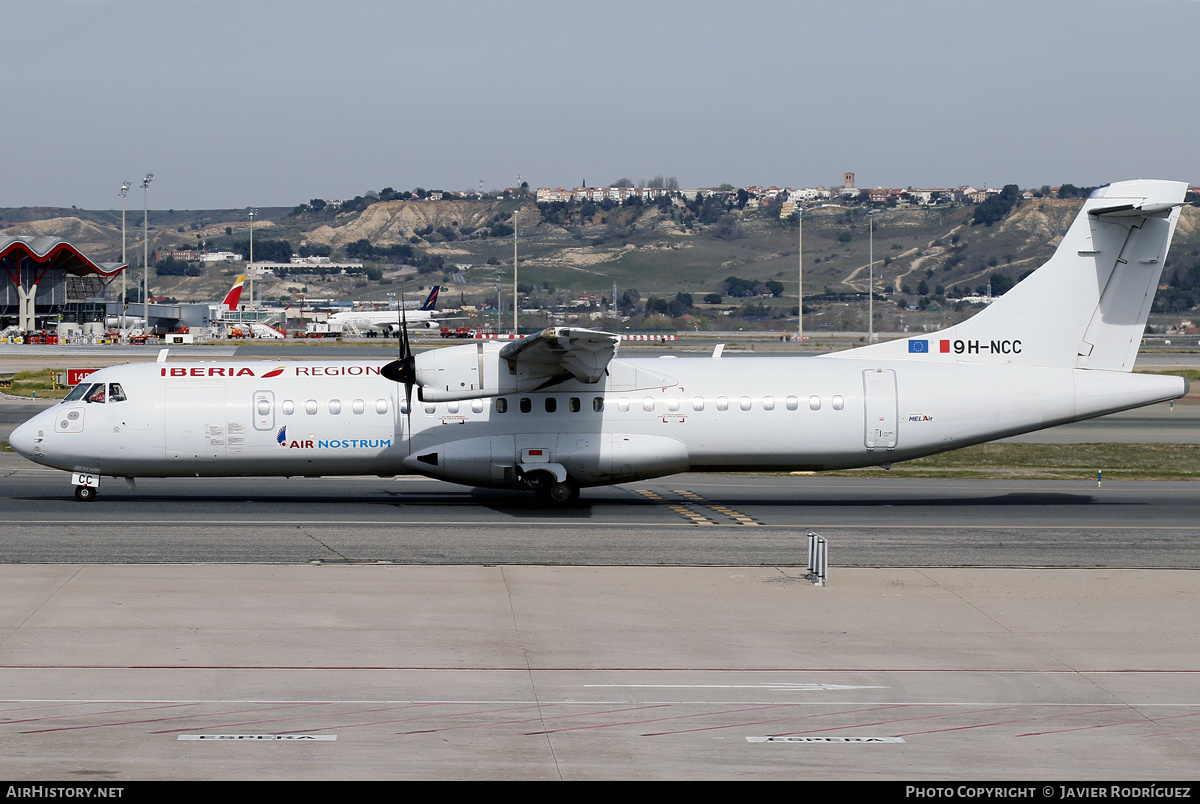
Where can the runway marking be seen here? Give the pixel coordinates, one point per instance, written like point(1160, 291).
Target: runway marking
point(294, 717)
point(786, 687)
point(258, 737)
point(683, 510)
point(692, 502)
point(126, 524)
point(140, 722)
point(740, 518)
point(824, 739)
point(774, 720)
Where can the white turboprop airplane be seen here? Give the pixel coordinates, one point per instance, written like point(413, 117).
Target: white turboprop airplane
point(558, 410)
point(389, 320)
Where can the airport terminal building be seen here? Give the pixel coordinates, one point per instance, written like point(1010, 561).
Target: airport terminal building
point(51, 281)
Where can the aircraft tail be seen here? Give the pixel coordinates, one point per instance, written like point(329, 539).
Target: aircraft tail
point(1086, 307)
point(431, 302)
point(230, 302)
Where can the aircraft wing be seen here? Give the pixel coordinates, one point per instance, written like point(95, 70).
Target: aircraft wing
point(556, 352)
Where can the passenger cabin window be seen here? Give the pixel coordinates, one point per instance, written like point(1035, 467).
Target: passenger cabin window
point(477, 406)
point(502, 405)
point(358, 406)
point(722, 403)
point(814, 402)
point(335, 406)
point(839, 402)
point(430, 408)
point(648, 404)
point(745, 403)
point(573, 404)
point(673, 404)
point(289, 407)
point(792, 403)
point(697, 403)
point(623, 405)
point(310, 407)
point(526, 404)
point(264, 407)
point(768, 402)
point(598, 404)
point(551, 404)
point(381, 406)
point(452, 407)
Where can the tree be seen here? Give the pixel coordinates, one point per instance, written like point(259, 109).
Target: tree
point(997, 205)
point(728, 228)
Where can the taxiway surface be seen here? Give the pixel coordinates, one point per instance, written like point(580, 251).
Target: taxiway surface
point(362, 628)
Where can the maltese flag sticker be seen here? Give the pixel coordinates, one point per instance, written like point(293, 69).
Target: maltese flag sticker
point(918, 347)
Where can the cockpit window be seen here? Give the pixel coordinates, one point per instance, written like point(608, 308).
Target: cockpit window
point(78, 392)
point(97, 393)
point(115, 392)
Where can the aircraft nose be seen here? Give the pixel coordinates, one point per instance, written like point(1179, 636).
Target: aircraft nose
point(22, 439)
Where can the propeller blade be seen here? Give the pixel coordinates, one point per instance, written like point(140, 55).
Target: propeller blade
point(404, 368)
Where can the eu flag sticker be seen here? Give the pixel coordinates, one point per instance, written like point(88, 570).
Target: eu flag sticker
point(918, 347)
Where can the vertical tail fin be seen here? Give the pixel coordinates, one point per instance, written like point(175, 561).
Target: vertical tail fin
point(431, 302)
point(1086, 307)
point(230, 302)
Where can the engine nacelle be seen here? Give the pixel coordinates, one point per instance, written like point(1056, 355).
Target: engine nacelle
point(475, 370)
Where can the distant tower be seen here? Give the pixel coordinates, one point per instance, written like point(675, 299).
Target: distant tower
point(849, 180)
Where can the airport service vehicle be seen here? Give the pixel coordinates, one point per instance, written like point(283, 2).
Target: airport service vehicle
point(389, 320)
point(559, 410)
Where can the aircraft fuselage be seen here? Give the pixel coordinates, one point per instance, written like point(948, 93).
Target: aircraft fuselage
point(645, 418)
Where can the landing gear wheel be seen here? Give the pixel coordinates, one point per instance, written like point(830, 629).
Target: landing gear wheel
point(563, 493)
point(85, 493)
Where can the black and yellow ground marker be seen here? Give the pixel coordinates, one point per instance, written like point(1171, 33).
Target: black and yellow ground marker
point(691, 501)
point(684, 510)
point(737, 517)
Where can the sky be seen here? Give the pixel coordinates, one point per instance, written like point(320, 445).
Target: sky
point(235, 103)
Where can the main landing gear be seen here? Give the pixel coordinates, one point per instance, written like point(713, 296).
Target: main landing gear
point(550, 490)
point(558, 493)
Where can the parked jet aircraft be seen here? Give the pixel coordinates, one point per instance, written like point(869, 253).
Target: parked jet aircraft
point(559, 410)
point(389, 320)
point(227, 304)
point(230, 302)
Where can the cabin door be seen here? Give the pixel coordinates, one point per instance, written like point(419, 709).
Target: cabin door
point(195, 421)
point(879, 398)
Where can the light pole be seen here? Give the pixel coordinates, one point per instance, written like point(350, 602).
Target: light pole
point(871, 274)
point(516, 231)
point(800, 274)
point(250, 269)
point(146, 251)
point(125, 185)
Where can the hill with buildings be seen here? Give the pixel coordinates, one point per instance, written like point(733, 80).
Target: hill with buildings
point(669, 256)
